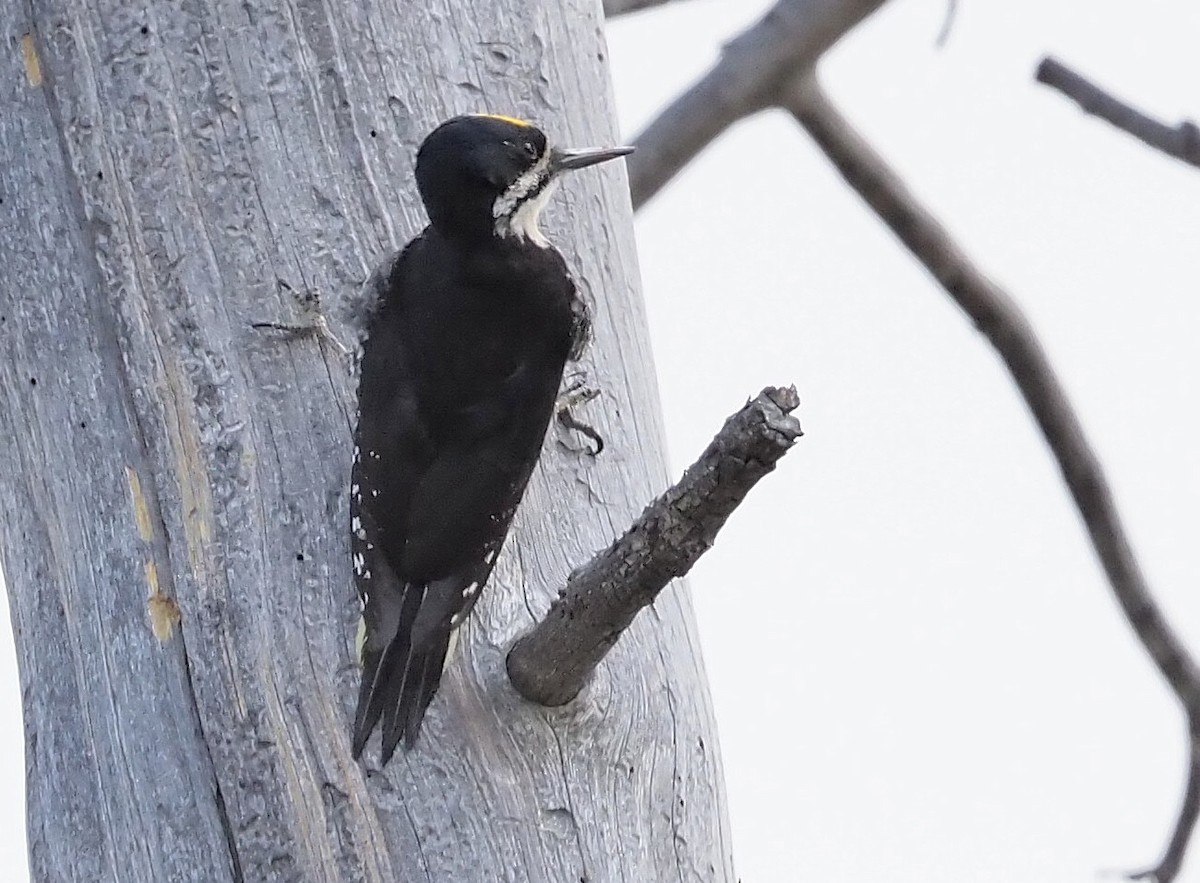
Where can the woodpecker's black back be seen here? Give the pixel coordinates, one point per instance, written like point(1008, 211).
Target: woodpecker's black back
point(461, 360)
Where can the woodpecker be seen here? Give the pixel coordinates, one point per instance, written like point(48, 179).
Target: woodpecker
point(463, 337)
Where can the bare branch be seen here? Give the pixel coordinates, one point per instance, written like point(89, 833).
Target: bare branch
point(1000, 319)
point(614, 8)
point(1181, 141)
point(552, 662)
point(787, 40)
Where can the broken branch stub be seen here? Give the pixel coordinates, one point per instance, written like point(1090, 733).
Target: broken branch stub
point(551, 664)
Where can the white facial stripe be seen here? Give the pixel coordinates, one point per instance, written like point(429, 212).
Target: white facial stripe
point(523, 223)
point(516, 212)
point(507, 202)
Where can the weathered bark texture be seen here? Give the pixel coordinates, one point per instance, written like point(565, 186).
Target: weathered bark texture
point(166, 165)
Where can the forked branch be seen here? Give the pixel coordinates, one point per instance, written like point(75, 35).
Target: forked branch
point(997, 315)
point(789, 38)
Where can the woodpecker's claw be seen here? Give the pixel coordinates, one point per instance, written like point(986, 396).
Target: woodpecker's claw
point(319, 328)
point(576, 394)
point(309, 301)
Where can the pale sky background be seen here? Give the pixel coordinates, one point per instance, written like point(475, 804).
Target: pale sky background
point(918, 669)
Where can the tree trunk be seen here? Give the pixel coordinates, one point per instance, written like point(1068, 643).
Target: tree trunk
point(174, 496)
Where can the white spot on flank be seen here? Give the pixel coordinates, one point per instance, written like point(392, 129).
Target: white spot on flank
point(489, 557)
point(470, 590)
point(354, 489)
point(374, 493)
point(359, 563)
point(355, 523)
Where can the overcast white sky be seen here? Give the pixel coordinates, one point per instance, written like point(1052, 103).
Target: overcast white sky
point(918, 669)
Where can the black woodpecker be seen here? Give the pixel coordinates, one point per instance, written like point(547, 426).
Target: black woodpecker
point(464, 335)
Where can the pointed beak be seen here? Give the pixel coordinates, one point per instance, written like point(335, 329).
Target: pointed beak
point(568, 160)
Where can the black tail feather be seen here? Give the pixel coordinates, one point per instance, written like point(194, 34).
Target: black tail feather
point(367, 713)
point(431, 678)
point(399, 683)
point(384, 670)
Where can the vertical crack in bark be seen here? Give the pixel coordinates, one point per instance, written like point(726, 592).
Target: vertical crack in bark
point(562, 761)
point(218, 796)
point(675, 777)
point(412, 823)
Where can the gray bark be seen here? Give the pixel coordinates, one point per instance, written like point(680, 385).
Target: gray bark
point(165, 167)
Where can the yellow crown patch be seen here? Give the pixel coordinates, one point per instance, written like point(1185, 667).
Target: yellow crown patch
point(499, 116)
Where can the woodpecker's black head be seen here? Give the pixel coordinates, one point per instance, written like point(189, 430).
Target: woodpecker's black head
point(483, 175)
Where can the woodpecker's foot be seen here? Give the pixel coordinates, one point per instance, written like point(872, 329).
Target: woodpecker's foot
point(309, 300)
point(578, 393)
point(319, 328)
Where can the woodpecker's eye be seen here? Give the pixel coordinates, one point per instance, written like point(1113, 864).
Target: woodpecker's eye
point(526, 148)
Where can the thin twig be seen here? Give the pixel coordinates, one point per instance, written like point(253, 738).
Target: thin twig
point(1000, 319)
point(947, 24)
point(1181, 141)
point(788, 39)
point(551, 663)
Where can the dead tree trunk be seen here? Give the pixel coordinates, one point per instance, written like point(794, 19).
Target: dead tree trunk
point(174, 487)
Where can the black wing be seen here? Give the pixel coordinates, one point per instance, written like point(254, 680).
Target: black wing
point(436, 479)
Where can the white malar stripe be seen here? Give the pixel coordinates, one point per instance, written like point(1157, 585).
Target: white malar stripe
point(516, 213)
point(523, 224)
point(506, 203)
